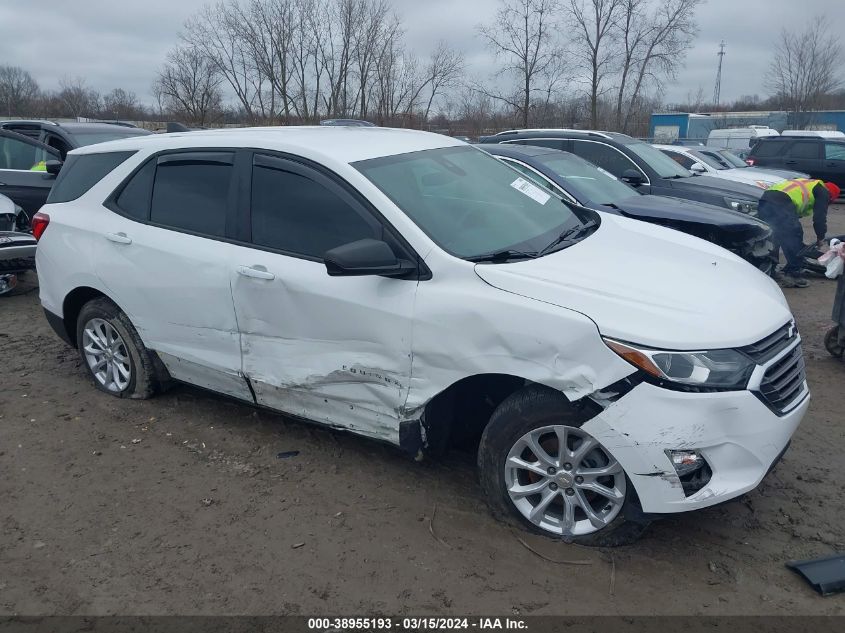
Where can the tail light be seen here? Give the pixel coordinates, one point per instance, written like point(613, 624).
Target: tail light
point(39, 224)
point(750, 162)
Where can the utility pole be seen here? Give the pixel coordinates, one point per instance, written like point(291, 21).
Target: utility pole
point(718, 90)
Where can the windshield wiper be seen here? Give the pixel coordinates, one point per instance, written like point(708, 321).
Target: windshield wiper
point(501, 256)
point(569, 235)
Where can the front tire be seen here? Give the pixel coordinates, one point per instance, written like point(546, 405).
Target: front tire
point(539, 468)
point(112, 352)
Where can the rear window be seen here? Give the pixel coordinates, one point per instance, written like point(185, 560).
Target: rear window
point(80, 173)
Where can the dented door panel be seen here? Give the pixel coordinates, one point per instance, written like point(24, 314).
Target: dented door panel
point(335, 350)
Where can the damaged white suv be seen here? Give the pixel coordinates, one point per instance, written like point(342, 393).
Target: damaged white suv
point(413, 289)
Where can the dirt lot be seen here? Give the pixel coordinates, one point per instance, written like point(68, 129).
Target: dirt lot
point(180, 505)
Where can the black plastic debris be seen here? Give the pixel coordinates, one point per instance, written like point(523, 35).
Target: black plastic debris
point(825, 575)
point(286, 454)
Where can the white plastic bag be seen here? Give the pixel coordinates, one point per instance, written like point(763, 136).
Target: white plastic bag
point(834, 259)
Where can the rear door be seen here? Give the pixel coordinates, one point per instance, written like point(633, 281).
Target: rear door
point(833, 166)
point(164, 254)
point(335, 350)
point(22, 175)
point(806, 156)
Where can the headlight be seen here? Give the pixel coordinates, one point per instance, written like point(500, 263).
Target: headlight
point(723, 369)
point(743, 206)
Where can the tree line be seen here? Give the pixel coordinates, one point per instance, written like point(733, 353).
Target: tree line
point(574, 63)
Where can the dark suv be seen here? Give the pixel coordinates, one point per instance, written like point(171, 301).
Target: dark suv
point(640, 165)
point(67, 136)
point(822, 158)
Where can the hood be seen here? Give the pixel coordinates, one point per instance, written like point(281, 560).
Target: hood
point(662, 210)
point(653, 286)
point(716, 186)
point(782, 174)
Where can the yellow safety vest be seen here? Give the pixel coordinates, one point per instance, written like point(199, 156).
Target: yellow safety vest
point(39, 166)
point(800, 191)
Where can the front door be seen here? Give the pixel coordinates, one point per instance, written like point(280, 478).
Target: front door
point(335, 350)
point(22, 175)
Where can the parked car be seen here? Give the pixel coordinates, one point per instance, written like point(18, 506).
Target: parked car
point(413, 289)
point(819, 157)
point(17, 247)
point(67, 136)
point(729, 159)
point(580, 182)
point(23, 171)
point(740, 140)
point(817, 133)
point(700, 163)
point(639, 164)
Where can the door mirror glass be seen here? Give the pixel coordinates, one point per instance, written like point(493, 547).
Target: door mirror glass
point(365, 257)
point(632, 177)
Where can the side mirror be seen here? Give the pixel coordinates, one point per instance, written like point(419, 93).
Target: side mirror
point(53, 167)
point(366, 257)
point(697, 168)
point(632, 177)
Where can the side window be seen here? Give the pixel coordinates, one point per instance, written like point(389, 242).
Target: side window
point(834, 151)
point(135, 197)
point(191, 191)
point(80, 173)
point(19, 155)
point(59, 144)
point(684, 160)
point(804, 149)
point(294, 213)
point(604, 156)
point(768, 148)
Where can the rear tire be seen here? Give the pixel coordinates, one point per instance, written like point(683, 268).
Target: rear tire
point(831, 342)
point(112, 352)
point(544, 415)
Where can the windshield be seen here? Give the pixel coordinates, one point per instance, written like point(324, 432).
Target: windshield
point(469, 203)
point(732, 159)
point(91, 138)
point(658, 161)
point(586, 181)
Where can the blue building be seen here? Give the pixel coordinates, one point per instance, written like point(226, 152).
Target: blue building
point(670, 126)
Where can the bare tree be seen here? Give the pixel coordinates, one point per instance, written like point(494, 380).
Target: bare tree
point(523, 36)
point(76, 98)
point(189, 85)
point(18, 90)
point(121, 104)
point(444, 69)
point(653, 44)
point(805, 68)
point(593, 23)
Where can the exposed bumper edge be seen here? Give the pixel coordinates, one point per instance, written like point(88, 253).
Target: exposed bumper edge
point(58, 324)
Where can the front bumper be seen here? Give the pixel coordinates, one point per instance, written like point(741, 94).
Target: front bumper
point(738, 435)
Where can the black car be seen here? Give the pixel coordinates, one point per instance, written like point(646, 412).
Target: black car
point(67, 136)
point(640, 165)
point(580, 182)
point(23, 171)
point(822, 158)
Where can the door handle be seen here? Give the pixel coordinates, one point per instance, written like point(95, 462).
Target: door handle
point(118, 238)
point(791, 162)
point(256, 272)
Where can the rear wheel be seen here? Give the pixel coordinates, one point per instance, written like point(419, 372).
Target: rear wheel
point(538, 466)
point(831, 342)
point(112, 351)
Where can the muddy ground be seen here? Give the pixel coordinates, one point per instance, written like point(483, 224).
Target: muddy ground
point(180, 505)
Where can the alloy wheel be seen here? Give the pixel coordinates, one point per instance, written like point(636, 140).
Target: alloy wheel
point(106, 355)
point(564, 481)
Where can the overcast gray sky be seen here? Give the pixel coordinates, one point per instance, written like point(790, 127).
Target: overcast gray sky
point(122, 43)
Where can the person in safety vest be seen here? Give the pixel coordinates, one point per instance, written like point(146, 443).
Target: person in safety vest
point(782, 205)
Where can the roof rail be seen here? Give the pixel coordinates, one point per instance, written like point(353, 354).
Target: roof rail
point(557, 129)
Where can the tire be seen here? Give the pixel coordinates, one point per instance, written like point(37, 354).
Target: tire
point(831, 342)
point(535, 409)
point(102, 318)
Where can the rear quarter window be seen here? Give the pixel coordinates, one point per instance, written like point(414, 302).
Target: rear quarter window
point(81, 172)
point(768, 148)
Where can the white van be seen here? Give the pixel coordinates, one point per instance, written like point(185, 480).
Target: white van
point(739, 139)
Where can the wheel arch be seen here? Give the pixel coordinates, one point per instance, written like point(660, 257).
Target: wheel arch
point(72, 305)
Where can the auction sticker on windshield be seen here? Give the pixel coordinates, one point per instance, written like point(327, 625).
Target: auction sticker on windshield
point(530, 190)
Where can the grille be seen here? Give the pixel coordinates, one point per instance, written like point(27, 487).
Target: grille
point(764, 350)
point(783, 382)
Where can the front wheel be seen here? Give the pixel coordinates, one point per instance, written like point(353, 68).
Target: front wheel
point(538, 466)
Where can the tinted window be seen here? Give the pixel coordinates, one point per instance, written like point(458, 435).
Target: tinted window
point(91, 138)
point(684, 160)
point(768, 149)
point(604, 156)
point(16, 154)
point(80, 173)
point(192, 193)
point(834, 151)
point(657, 160)
point(586, 181)
point(296, 214)
point(134, 199)
point(469, 202)
point(804, 149)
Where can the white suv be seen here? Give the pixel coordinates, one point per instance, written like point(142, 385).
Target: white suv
point(413, 289)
